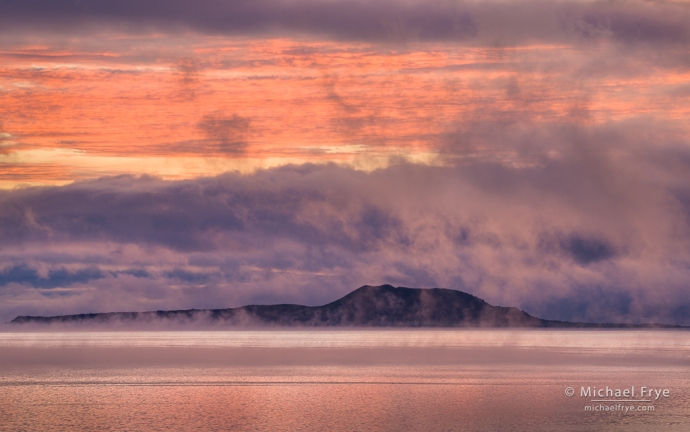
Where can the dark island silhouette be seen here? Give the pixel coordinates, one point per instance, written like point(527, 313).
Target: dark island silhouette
point(368, 306)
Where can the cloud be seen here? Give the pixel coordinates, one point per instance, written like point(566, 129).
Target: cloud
point(188, 70)
point(583, 222)
point(556, 132)
point(199, 107)
point(55, 278)
point(586, 251)
point(484, 22)
point(228, 134)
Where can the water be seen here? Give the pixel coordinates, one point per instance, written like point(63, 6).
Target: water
point(390, 380)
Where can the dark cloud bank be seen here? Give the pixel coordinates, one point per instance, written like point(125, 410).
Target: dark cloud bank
point(584, 223)
point(493, 22)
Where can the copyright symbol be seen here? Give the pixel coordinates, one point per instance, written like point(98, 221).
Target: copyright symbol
point(569, 391)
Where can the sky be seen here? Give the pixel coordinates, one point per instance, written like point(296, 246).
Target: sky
point(209, 154)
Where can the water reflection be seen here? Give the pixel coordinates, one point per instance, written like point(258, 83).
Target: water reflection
point(337, 380)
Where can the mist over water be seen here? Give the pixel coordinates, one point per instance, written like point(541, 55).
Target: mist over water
point(338, 379)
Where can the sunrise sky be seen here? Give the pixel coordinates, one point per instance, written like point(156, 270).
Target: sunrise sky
point(177, 154)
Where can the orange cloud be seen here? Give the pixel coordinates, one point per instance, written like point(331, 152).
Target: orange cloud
point(160, 104)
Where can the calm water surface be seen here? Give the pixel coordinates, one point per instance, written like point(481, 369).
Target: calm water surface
point(476, 380)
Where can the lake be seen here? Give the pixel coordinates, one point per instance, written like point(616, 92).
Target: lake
point(346, 380)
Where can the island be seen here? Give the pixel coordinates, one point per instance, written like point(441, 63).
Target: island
point(367, 306)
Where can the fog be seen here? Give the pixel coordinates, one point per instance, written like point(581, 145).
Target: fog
point(299, 348)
